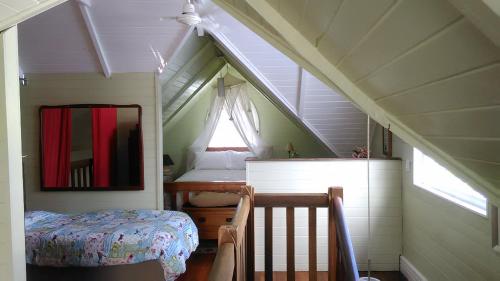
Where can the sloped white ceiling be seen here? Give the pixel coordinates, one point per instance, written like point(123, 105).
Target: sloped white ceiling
point(422, 66)
point(58, 40)
point(333, 118)
point(188, 72)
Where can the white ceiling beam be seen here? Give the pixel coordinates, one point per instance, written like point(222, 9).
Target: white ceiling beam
point(85, 6)
point(310, 53)
point(484, 14)
point(299, 103)
point(30, 11)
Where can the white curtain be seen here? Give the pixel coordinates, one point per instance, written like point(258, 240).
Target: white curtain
point(201, 143)
point(242, 112)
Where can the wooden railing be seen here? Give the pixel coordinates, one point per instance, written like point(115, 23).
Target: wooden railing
point(231, 259)
point(341, 263)
point(236, 253)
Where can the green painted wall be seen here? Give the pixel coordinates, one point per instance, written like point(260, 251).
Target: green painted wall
point(276, 129)
point(441, 239)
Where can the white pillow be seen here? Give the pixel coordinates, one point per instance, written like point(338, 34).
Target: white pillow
point(238, 159)
point(213, 160)
point(214, 199)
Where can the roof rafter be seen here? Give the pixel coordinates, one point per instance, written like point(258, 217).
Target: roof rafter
point(94, 36)
point(483, 15)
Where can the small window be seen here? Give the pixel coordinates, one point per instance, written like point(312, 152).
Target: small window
point(431, 176)
point(225, 134)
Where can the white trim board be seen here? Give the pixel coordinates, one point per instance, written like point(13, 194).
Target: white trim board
point(409, 270)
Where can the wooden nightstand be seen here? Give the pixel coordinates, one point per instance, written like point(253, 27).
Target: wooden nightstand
point(208, 220)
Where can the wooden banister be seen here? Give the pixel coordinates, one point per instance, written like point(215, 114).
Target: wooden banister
point(235, 234)
point(240, 235)
point(291, 201)
point(222, 268)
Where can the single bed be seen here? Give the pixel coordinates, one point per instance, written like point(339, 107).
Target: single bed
point(110, 238)
point(211, 168)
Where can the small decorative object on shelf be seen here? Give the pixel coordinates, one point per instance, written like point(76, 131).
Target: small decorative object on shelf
point(360, 152)
point(167, 168)
point(291, 151)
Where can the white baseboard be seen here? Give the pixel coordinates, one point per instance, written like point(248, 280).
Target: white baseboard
point(410, 271)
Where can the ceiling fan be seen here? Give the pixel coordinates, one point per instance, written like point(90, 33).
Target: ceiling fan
point(198, 14)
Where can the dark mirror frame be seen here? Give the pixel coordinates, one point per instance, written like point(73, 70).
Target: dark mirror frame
point(94, 188)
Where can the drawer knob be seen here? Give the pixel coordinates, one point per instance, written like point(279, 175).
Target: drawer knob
point(202, 219)
point(229, 219)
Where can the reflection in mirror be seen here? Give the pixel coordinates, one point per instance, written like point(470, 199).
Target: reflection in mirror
point(86, 147)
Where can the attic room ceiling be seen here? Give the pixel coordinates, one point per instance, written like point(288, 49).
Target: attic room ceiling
point(59, 41)
point(421, 66)
point(134, 39)
point(428, 68)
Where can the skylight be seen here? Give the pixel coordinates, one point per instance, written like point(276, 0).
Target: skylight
point(225, 134)
point(431, 176)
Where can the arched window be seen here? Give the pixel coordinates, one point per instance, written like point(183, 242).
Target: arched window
point(226, 136)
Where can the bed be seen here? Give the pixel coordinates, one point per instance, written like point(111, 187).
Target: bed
point(215, 168)
point(110, 238)
point(221, 171)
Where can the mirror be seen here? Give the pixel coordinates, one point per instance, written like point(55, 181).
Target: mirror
point(91, 147)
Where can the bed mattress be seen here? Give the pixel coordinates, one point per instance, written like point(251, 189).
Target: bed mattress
point(214, 175)
point(111, 237)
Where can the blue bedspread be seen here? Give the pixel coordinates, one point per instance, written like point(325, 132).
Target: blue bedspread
point(111, 237)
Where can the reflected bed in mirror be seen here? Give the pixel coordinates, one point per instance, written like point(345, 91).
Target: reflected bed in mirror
point(91, 147)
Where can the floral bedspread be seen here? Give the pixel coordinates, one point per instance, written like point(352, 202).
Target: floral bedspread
point(111, 237)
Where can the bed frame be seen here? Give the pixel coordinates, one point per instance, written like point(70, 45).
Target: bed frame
point(184, 188)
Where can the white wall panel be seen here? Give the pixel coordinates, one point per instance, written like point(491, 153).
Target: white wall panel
point(307, 176)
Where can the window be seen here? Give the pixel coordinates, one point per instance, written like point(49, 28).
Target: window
point(225, 134)
point(429, 175)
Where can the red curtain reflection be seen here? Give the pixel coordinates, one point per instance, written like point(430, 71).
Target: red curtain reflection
point(56, 140)
point(104, 126)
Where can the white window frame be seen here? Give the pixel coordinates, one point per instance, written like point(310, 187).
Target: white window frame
point(432, 185)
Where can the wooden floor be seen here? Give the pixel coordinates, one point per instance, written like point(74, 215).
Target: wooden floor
point(198, 267)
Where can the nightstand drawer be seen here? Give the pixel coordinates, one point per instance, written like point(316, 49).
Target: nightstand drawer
point(208, 220)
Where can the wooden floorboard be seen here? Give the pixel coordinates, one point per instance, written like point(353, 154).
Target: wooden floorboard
point(198, 266)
